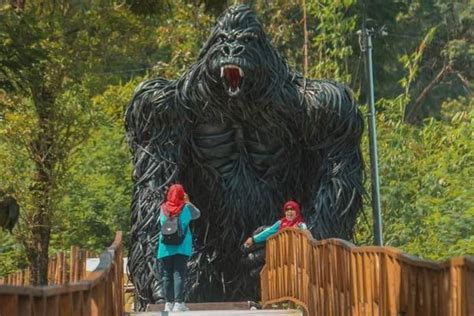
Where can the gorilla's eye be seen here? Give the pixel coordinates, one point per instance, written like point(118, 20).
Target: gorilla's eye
point(247, 39)
point(221, 38)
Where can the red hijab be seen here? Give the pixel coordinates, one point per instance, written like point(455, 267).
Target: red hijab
point(298, 218)
point(174, 201)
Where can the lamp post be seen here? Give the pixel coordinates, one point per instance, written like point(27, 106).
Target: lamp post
point(374, 168)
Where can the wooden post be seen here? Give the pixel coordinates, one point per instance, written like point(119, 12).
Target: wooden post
point(73, 265)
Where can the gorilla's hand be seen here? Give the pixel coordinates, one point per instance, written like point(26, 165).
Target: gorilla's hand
point(254, 256)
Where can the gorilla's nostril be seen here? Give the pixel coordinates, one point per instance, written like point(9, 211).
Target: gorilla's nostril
point(238, 50)
point(226, 50)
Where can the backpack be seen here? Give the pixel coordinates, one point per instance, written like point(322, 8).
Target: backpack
point(172, 232)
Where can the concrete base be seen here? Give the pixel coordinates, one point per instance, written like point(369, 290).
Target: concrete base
point(208, 306)
point(258, 312)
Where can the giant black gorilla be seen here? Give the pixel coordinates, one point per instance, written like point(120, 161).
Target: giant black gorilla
point(243, 133)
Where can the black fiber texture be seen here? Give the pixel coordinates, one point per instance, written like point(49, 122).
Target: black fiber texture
point(242, 142)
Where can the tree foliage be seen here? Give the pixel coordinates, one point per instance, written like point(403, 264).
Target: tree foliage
point(49, 111)
point(426, 181)
point(67, 69)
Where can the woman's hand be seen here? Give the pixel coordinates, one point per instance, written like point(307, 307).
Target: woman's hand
point(248, 243)
point(186, 198)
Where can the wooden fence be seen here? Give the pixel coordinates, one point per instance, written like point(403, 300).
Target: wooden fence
point(63, 268)
point(98, 293)
point(333, 277)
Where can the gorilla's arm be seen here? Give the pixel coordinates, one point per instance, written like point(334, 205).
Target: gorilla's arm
point(153, 130)
point(333, 132)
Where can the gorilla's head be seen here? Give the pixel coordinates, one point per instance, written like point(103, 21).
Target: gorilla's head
point(238, 60)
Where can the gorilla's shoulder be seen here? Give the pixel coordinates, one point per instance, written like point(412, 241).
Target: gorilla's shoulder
point(152, 101)
point(154, 90)
point(328, 94)
point(324, 86)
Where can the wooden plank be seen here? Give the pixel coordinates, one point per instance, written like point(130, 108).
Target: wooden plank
point(369, 301)
point(469, 281)
point(9, 305)
point(82, 264)
point(454, 292)
point(375, 275)
point(39, 308)
point(61, 268)
point(65, 304)
point(87, 299)
point(25, 305)
point(77, 304)
point(73, 265)
point(354, 285)
point(108, 296)
point(391, 286)
point(52, 306)
point(413, 295)
point(98, 299)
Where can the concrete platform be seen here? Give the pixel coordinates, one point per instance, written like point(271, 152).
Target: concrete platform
point(218, 308)
point(258, 312)
point(208, 306)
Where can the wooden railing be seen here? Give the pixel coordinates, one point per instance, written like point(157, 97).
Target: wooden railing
point(99, 293)
point(333, 277)
point(62, 268)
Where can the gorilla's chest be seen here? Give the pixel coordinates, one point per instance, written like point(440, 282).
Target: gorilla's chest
point(229, 145)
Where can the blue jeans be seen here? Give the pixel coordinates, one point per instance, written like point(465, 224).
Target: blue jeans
point(174, 276)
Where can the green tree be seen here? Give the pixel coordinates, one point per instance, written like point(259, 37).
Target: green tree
point(444, 69)
point(55, 57)
point(331, 43)
point(426, 181)
point(97, 193)
point(67, 69)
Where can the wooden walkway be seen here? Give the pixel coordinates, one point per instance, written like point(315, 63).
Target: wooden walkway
point(328, 277)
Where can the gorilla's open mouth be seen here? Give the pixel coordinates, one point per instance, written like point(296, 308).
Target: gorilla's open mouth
point(232, 76)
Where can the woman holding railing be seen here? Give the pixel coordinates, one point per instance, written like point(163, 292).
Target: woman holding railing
point(292, 218)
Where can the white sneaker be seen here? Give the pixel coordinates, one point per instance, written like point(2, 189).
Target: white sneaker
point(180, 307)
point(168, 307)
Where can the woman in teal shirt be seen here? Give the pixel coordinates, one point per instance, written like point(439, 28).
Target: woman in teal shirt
point(292, 218)
point(174, 258)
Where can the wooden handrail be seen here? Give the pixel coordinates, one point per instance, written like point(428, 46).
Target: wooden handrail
point(101, 293)
point(334, 277)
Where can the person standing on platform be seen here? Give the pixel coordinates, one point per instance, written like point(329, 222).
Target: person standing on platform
point(175, 249)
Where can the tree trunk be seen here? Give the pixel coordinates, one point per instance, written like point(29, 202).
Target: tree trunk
point(410, 115)
point(18, 4)
point(38, 252)
point(43, 154)
point(305, 46)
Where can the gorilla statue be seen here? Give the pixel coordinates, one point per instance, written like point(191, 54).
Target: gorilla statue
point(243, 133)
point(9, 211)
